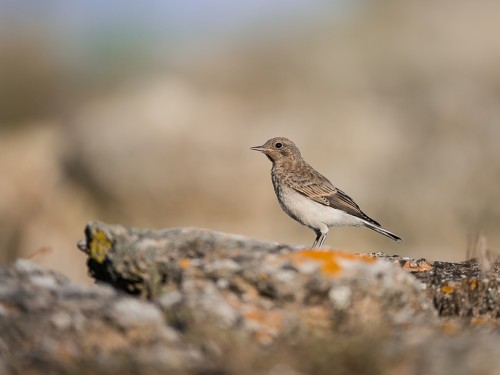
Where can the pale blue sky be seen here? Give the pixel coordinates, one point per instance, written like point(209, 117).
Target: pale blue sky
point(171, 19)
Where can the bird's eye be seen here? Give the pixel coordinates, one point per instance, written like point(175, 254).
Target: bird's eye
point(278, 145)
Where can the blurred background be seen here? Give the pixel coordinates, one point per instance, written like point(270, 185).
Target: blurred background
point(142, 113)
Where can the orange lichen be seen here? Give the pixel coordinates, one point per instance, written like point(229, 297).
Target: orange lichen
point(473, 283)
point(417, 266)
point(266, 322)
point(450, 327)
point(263, 338)
point(330, 260)
point(271, 319)
point(253, 314)
point(478, 321)
point(316, 317)
point(447, 289)
point(185, 263)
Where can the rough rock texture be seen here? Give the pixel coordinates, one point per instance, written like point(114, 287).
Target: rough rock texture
point(188, 300)
point(467, 289)
point(49, 323)
point(264, 288)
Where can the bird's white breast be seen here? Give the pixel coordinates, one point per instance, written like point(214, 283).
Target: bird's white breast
point(314, 214)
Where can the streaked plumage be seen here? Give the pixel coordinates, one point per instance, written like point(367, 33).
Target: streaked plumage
point(309, 197)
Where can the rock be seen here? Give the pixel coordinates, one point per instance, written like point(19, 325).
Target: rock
point(464, 289)
point(261, 289)
point(51, 325)
point(194, 301)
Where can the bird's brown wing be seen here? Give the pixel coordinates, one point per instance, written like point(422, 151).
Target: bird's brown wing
point(317, 187)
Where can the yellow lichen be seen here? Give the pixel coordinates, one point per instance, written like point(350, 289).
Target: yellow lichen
point(99, 246)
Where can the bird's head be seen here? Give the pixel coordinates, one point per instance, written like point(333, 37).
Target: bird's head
point(278, 148)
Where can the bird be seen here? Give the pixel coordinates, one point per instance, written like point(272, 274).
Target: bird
point(309, 197)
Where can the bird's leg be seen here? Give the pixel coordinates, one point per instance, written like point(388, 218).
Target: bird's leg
point(318, 236)
point(322, 239)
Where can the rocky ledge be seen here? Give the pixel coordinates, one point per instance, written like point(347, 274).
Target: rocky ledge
point(193, 301)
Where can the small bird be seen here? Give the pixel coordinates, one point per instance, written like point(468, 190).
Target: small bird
point(308, 197)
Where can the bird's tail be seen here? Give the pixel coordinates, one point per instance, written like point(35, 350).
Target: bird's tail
point(383, 231)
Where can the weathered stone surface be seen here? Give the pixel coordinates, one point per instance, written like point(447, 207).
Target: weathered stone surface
point(262, 289)
point(193, 301)
point(467, 289)
point(50, 325)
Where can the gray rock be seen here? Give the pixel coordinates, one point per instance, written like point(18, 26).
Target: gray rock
point(188, 300)
point(50, 325)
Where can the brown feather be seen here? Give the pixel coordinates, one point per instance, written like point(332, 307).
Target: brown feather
point(318, 188)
